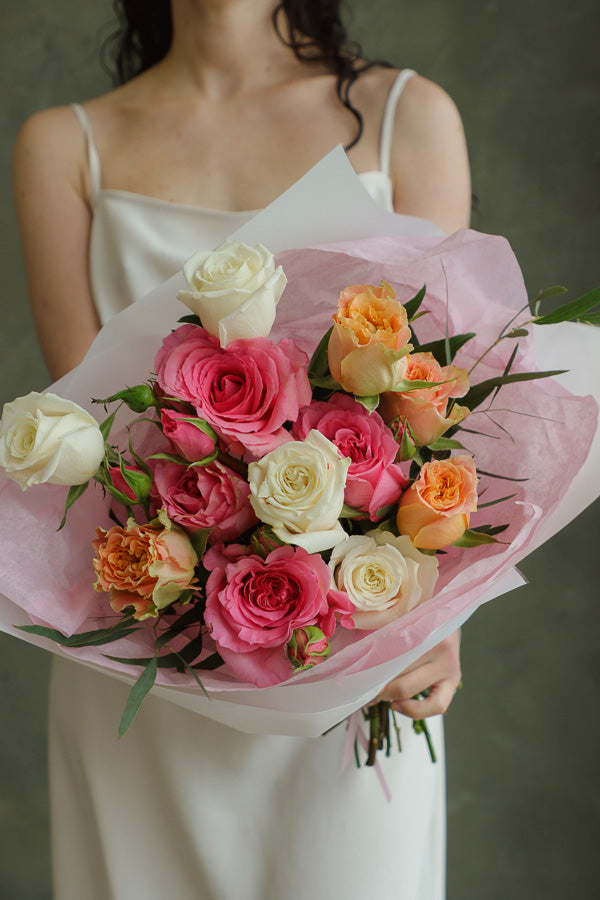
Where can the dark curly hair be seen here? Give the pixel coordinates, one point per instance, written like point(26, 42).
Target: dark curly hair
point(313, 29)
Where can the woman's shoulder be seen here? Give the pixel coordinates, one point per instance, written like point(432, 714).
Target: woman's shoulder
point(421, 106)
point(50, 145)
point(429, 163)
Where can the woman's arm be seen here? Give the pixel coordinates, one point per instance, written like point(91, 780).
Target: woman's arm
point(51, 189)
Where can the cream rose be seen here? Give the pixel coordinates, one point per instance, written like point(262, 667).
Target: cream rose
point(44, 438)
point(298, 489)
point(383, 575)
point(234, 290)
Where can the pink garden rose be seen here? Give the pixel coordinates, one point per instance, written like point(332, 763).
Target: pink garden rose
point(246, 391)
point(253, 607)
point(191, 441)
point(212, 496)
point(374, 479)
point(427, 409)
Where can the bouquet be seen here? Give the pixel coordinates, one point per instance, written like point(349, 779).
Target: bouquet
point(268, 527)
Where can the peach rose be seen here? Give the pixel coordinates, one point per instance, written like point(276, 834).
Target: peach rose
point(370, 334)
point(426, 409)
point(144, 566)
point(435, 511)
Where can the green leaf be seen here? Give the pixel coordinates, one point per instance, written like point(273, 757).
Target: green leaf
point(408, 444)
point(443, 443)
point(406, 385)
point(190, 670)
point(190, 319)
point(571, 311)
point(489, 529)
point(170, 457)
point(369, 403)
point(198, 540)
point(517, 332)
point(500, 477)
point(211, 663)
point(86, 638)
point(472, 538)
point(493, 502)
point(319, 364)
point(479, 392)
point(107, 424)
point(137, 694)
point(553, 291)
point(591, 318)
point(206, 461)
point(411, 306)
point(438, 348)
point(75, 492)
point(348, 512)
point(327, 382)
point(138, 459)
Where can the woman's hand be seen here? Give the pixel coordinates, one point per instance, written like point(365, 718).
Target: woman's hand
point(438, 670)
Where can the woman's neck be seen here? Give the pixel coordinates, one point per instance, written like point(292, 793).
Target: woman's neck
point(222, 47)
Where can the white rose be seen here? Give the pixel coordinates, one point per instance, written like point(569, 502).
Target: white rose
point(234, 290)
point(46, 438)
point(384, 576)
point(298, 489)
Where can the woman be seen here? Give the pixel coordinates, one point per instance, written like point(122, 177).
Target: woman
point(220, 125)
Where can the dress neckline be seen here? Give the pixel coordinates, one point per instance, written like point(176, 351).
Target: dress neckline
point(205, 210)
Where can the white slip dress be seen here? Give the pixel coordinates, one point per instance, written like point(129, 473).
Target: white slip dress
point(184, 807)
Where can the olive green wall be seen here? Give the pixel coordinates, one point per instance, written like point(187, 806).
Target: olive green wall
point(522, 735)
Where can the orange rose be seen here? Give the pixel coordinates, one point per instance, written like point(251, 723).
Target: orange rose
point(426, 409)
point(144, 566)
point(370, 334)
point(435, 511)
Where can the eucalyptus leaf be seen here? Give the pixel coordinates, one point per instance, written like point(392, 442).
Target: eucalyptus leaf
point(479, 392)
point(553, 291)
point(137, 694)
point(591, 318)
point(494, 502)
point(86, 638)
point(517, 332)
point(571, 311)
point(189, 669)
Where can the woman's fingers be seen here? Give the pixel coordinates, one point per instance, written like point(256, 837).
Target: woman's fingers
point(437, 672)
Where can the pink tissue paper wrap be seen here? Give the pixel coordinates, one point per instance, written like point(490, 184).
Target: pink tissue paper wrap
point(46, 576)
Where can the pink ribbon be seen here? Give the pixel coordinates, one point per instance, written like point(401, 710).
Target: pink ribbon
point(355, 732)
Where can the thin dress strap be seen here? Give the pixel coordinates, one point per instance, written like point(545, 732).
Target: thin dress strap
point(387, 122)
point(93, 158)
